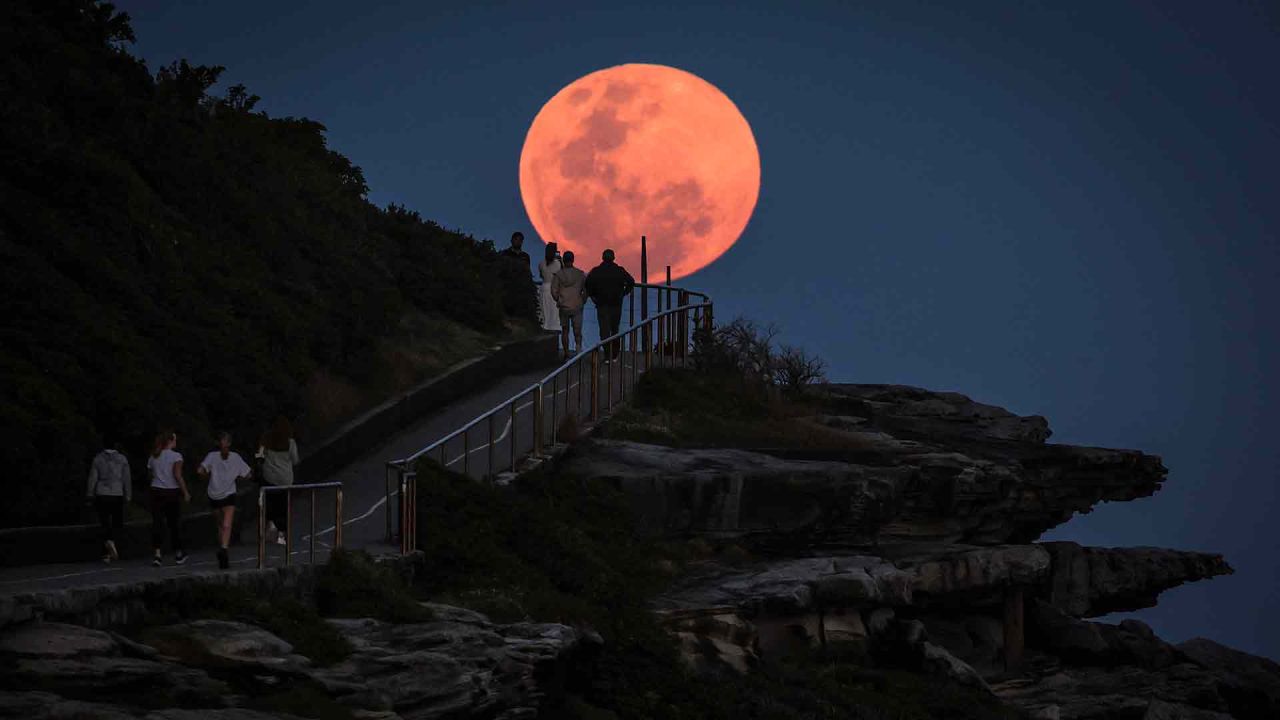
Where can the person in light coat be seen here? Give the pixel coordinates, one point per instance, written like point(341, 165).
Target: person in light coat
point(279, 453)
point(547, 270)
point(110, 488)
point(569, 288)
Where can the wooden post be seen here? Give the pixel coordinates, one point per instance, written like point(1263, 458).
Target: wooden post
point(1014, 637)
point(595, 384)
point(645, 336)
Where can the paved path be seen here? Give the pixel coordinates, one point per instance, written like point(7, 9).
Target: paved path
point(364, 481)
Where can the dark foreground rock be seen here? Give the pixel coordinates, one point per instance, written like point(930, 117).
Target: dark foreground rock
point(459, 666)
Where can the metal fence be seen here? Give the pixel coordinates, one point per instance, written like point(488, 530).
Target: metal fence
point(289, 491)
point(575, 394)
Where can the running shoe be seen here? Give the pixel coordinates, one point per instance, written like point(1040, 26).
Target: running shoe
point(180, 557)
point(280, 539)
point(155, 560)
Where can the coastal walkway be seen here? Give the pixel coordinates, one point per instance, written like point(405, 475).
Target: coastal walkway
point(484, 435)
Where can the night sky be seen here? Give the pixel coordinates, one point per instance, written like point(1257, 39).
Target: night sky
point(1065, 209)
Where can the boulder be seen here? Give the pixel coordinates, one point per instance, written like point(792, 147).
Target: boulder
point(55, 640)
point(791, 587)
point(226, 644)
point(48, 706)
point(1052, 630)
point(1124, 691)
point(1250, 683)
point(119, 680)
point(979, 494)
point(1091, 581)
point(1161, 710)
point(447, 668)
point(925, 413)
point(935, 660)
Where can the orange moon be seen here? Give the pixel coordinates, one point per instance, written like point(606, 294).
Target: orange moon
point(639, 150)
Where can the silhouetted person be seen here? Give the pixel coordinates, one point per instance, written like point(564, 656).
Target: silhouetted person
point(168, 492)
point(279, 453)
point(518, 296)
point(569, 288)
point(110, 487)
point(223, 468)
point(547, 269)
point(607, 284)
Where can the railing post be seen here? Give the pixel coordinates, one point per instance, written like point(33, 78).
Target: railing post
point(403, 511)
point(340, 520)
point(555, 398)
point(386, 494)
point(262, 527)
point(312, 538)
point(513, 435)
point(288, 523)
point(608, 384)
point(595, 384)
point(538, 399)
point(491, 470)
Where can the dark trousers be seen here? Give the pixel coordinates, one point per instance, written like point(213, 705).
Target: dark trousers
point(277, 509)
point(110, 515)
point(166, 509)
point(610, 319)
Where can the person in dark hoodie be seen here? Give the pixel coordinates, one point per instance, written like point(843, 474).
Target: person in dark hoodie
point(110, 487)
point(607, 285)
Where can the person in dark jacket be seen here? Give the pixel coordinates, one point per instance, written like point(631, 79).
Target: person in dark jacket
point(519, 297)
point(607, 285)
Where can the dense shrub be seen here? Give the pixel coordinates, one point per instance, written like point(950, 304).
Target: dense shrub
point(172, 258)
point(352, 585)
point(746, 350)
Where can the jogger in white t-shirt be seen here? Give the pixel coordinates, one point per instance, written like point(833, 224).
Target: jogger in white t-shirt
point(223, 468)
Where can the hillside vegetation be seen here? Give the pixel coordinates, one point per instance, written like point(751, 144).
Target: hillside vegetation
point(172, 258)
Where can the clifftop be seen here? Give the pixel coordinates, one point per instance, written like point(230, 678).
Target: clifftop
point(904, 522)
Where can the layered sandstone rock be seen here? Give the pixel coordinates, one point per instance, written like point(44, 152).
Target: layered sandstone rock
point(916, 544)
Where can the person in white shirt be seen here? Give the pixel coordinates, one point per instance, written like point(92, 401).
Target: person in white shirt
point(168, 492)
point(223, 468)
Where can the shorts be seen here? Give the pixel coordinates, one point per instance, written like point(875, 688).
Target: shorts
point(228, 501)
point(572, 316)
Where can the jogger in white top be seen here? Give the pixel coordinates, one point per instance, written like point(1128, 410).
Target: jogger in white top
point(223, 468)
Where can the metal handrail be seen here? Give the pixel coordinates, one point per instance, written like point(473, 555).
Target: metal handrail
point(403, 462)
point(289, 490)
point(671, 328)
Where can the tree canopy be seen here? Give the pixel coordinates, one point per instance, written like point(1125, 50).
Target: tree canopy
point(172, 258)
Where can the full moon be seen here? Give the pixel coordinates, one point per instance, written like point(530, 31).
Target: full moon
point(639, 150)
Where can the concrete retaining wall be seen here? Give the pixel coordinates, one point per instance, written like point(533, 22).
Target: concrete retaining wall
point(112, 606)
point(77, 543)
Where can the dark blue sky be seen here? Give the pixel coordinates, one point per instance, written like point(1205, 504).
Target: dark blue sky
point(1064, 208)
